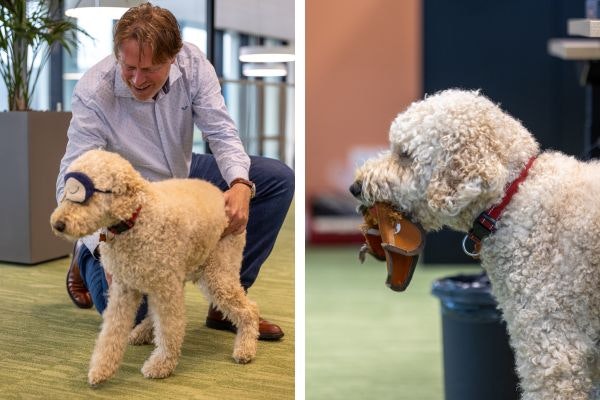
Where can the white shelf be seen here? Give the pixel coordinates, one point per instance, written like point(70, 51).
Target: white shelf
point(584, 27)
point(575, 49)
point(337, 224)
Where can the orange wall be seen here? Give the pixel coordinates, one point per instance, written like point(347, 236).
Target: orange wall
point(363, 67)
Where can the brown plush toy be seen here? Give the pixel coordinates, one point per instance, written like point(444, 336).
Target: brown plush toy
point(391, 237)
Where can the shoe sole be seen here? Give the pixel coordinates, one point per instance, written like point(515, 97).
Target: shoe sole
point(227, 326)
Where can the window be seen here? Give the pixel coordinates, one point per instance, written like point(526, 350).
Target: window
point(261, 108)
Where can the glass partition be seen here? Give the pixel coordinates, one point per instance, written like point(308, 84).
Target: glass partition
point(263, 112)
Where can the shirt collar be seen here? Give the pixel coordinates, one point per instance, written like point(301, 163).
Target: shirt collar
point(121, 89)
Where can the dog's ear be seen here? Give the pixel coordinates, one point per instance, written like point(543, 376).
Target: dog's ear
point(125, 180)
point(126, 185)
point(467, 175)
point(126, 189)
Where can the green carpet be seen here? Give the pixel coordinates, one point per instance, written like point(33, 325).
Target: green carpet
point(46, 342)
point(364, 341)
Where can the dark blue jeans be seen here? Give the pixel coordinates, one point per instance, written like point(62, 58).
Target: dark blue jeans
point(274, 192)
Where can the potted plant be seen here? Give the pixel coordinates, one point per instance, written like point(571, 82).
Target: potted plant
point(33, 142)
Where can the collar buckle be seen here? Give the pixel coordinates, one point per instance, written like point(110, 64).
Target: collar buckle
point(485, 223)
point(484, 226)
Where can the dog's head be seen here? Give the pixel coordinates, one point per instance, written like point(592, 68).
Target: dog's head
point(451, 155)
point(101, 189)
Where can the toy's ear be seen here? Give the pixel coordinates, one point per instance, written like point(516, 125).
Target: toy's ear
point(463, 178)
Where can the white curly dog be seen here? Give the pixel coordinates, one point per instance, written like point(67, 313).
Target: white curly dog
point(175, 236)
point(452, 157)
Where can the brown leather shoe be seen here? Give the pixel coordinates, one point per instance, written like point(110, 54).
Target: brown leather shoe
point(267, 330)
point(75, 286)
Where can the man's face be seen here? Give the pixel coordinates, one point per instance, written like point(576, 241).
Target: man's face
point(143, 78)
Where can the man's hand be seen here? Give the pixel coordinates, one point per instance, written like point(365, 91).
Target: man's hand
point(237, 208)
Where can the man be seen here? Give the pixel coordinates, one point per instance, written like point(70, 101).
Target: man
point(142, 103)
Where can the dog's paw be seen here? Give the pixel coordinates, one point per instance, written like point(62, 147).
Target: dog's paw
point(244, 354)
point(142, 334)
point(97, 376)
point(242, 358)
point(246, 341)
point(157, 367)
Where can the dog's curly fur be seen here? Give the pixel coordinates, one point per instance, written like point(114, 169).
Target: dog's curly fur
point(176, 238)
point(452, 156)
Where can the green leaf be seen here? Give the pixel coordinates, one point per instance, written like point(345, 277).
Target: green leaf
point(30, 26)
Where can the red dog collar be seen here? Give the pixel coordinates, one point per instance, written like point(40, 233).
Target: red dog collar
point(122, 226)
point(485, 224)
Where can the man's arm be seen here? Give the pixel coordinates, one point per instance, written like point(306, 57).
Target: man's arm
point(213, 119)
point(211, 116)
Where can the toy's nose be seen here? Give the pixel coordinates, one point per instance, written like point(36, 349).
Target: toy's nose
point(356, 189)
point(59, 226)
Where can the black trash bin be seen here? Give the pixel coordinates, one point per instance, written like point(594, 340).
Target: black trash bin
point(478, 360)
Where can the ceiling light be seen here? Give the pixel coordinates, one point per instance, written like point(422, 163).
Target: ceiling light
point(112, 9)
point(272, 54)
point(264, 69)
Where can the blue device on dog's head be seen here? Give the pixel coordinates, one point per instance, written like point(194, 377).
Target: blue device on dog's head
point(79, 187)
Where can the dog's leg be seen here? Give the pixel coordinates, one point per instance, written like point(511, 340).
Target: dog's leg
point(553, 358)
point(118, 319)
point(221, 284)
point(167, 310)
point(142, 333)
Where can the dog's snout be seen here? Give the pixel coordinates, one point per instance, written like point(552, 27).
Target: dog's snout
point(356, 189)
point(59, 226)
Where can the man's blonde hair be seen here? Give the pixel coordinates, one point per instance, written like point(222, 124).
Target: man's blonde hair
point(149, 25)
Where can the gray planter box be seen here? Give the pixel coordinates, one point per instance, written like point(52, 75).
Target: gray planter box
point(32, 144)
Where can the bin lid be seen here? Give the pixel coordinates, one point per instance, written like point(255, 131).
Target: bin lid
point(464, 288)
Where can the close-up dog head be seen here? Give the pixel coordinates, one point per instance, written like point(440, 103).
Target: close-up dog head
point(451, 154)
point(101, 188)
